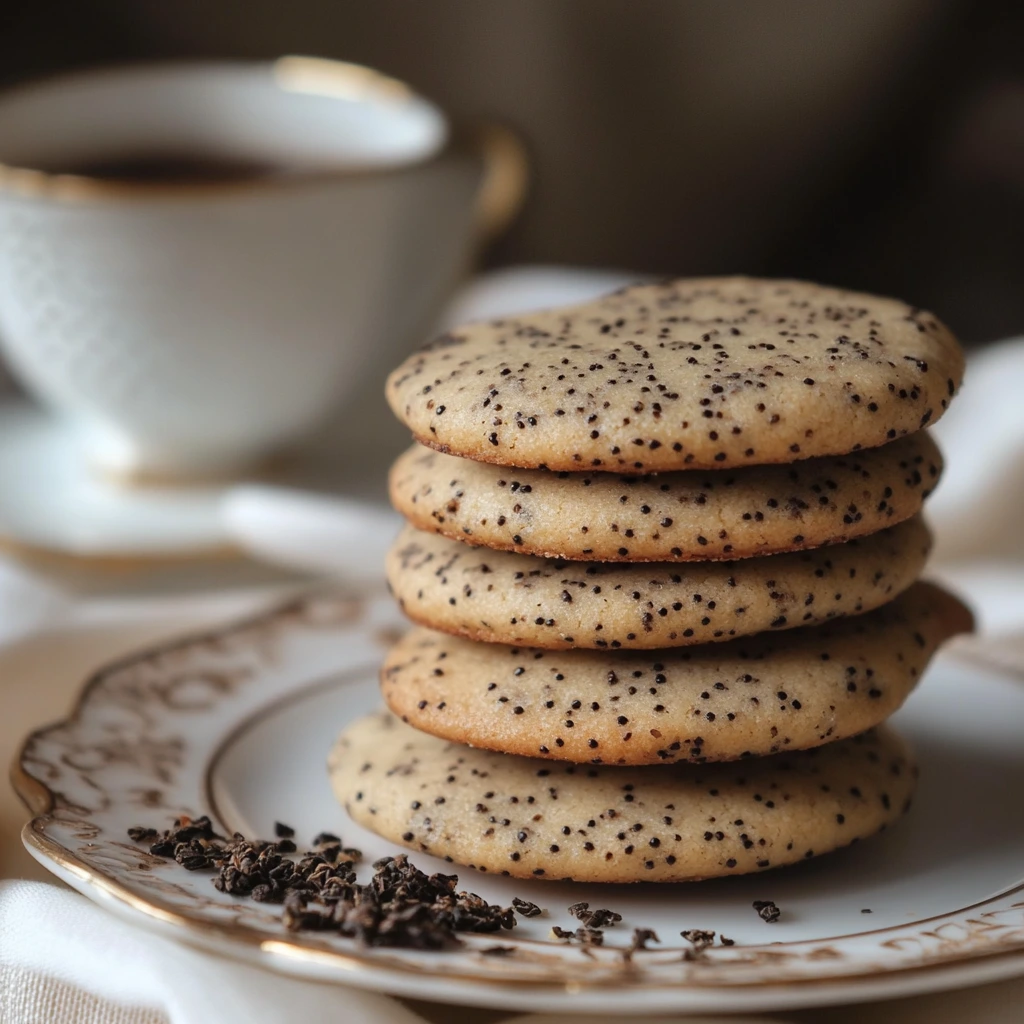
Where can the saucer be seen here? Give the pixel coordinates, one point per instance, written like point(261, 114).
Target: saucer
point(53, 503)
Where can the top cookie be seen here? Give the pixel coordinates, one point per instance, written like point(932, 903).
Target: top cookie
point(703, 373)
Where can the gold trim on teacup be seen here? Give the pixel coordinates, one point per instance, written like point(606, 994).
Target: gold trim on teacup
point(319, 76)
point(506, 179)
point(343, 80)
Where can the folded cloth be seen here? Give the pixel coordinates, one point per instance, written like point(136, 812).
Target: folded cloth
point(58, 936)
point(81, 946)
point(310, 532)
point(47, 930)
point(978, 507)
point(977, 511)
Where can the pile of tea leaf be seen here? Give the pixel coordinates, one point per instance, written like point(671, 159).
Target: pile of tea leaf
point(399, 906)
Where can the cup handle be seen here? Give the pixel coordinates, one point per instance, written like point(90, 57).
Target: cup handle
point(505, 179)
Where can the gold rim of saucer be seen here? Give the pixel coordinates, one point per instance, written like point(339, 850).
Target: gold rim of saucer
point(267, 469)
point(113, 562)
point(317, 76)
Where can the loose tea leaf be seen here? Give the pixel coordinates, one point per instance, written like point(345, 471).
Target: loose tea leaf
point(399, 906)
point(698, 938)
point(525, 907)
point(767, 911)
point(599, 918)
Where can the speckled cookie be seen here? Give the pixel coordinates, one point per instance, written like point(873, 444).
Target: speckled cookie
point(531, 818)
point(708, 373)
point(503, 597)
point(719, 702)
point(694, 515)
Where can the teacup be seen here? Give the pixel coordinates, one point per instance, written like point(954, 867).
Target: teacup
point(242, 244)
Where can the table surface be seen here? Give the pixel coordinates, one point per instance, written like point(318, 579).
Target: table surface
point(40, 676)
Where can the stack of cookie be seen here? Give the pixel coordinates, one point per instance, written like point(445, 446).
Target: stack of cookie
point(650, 537)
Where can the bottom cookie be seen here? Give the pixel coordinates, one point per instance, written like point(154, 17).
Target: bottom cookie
point(530, 818)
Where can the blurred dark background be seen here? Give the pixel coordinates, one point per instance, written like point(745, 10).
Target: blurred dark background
point(877, 144)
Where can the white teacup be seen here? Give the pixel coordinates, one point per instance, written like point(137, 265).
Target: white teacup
point(194, 325)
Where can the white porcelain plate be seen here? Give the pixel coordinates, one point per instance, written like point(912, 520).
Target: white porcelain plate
point(238, 723)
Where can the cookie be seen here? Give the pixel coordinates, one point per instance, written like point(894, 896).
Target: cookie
point(531, 818)
point(693, 515)
point(720, 702)
point(706, 373)
point(503, 597)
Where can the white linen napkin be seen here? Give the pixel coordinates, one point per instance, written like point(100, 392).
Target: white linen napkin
point(979, 523)
point(977, 511)
point(83, 946)
point(44, 929)
point(979, 506)
point(310, 532)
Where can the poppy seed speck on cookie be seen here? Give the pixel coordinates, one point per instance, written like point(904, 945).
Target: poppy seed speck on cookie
point(689, 516)
point(662, 554)
point(750, 697)
point(503, 597)
point(701, 373)
point(529, 818)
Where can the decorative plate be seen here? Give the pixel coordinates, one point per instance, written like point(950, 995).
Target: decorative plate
point(237, 724)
